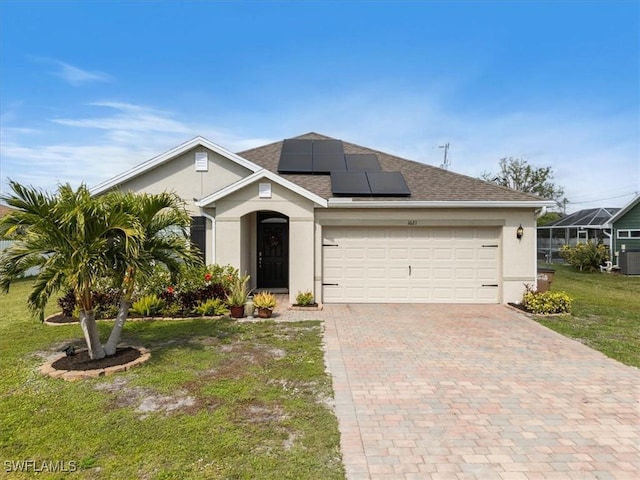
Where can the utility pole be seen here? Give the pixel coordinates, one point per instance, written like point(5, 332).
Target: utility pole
point(446, 162)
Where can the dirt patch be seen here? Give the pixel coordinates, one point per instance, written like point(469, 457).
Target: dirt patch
point(144, 399)
point(81, 361)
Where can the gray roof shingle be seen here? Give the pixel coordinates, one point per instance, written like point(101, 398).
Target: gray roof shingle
point(426, 182)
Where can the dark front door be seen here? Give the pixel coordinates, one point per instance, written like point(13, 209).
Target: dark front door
point(273, 250)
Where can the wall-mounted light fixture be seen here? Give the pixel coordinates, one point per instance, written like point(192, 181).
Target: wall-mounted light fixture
point(520, 232)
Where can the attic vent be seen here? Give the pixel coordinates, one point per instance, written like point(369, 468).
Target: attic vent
point(264, 190)
point(202, 162)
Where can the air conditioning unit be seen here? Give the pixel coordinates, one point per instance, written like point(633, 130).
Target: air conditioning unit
point(629, 263)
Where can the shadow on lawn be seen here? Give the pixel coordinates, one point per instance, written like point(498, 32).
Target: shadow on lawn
point(160, 337)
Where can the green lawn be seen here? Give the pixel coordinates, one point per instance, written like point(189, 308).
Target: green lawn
point(606, 312)
point(218, 399)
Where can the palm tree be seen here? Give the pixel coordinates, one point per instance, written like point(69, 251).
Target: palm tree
point(164, 222)
point(71, 237)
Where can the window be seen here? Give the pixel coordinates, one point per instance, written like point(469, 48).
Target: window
point(199, 235)
point(628, 233)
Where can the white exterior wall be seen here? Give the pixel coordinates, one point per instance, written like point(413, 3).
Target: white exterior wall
point(180, 176)
point(236, 232)
point(517, 260)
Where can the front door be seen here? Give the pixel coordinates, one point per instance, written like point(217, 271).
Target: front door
point(273, 250)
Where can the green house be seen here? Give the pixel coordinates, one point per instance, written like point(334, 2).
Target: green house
point(625, 237)
point(625, 226)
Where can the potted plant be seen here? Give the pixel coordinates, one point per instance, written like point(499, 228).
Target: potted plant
point(265, 302)
point(238, 295)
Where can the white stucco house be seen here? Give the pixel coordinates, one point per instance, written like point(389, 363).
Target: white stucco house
point(349, 223)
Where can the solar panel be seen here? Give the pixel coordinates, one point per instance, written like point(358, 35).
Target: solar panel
point(387, 184)
point(328, 162)
point(295, 163)
point(297, 145)
point(362, 162)
point(350, 183)
point(327, 146)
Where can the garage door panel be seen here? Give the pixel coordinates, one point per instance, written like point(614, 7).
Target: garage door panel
point(489, 254)
point(464, 254)
point(376, 273)
point(354, 253)
point(398, 253)
point(371, 264)
point(442, 273)
point(420, 273)
point(464, 273)
point(376, 253)
point(420, 253)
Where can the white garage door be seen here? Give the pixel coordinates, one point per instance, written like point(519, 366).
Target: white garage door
point(410, 265)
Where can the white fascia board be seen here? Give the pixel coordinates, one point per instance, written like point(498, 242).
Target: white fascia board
point(350, 203)
point(623, 211)
point(223, 192)
point(168, 155)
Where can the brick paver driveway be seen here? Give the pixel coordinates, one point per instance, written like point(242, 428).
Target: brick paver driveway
point(478, 392)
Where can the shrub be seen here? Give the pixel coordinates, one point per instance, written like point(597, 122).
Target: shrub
point(149, 305)
point(585, 256)
point(67, 303)
point(546, 302)
point(266, 300)
point(106, 303)
point(304, 298)
point(210, 307)
point(239, 292)
point(172, 309)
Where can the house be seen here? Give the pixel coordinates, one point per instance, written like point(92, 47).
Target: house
point(349, 223)
point(625, 227)
point(591, 224)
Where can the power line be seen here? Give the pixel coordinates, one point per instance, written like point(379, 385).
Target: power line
point(603, 199)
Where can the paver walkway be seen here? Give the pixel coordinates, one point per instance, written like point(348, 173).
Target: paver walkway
point(475, 392)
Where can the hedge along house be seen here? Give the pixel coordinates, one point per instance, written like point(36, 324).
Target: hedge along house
point(591, 224)
point(625, 242)
point(349, 223)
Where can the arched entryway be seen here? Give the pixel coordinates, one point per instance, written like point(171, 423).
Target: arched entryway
point(272, 250)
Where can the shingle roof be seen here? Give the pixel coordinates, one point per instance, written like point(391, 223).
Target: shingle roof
point(426, 182)
point(5, 210)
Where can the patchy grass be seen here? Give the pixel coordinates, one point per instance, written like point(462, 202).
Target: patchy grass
point(218, 399)
point(606, 312)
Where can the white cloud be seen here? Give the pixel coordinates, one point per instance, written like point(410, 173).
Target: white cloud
point(77, 76)
point(594, 157)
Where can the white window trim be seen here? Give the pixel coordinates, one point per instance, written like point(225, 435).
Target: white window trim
point(628, 232)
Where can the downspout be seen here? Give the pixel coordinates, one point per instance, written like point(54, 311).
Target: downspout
point(213, 236)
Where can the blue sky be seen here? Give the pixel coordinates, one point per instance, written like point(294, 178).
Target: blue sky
point(89, 89)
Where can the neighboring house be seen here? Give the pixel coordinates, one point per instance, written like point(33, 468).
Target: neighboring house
point(4, 210)
point(625, 226)
point(349, 223)
point(591, 224)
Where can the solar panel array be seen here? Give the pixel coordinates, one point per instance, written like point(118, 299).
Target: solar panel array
point(351, 174)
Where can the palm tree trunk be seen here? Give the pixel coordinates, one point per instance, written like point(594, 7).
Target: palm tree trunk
point(116, 331)
point(90, 330)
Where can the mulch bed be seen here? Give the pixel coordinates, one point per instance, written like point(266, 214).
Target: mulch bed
point(519, 307)
point(81, 360)
point(61, 319)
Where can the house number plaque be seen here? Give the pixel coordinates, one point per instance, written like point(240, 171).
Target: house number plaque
point(412, 223)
